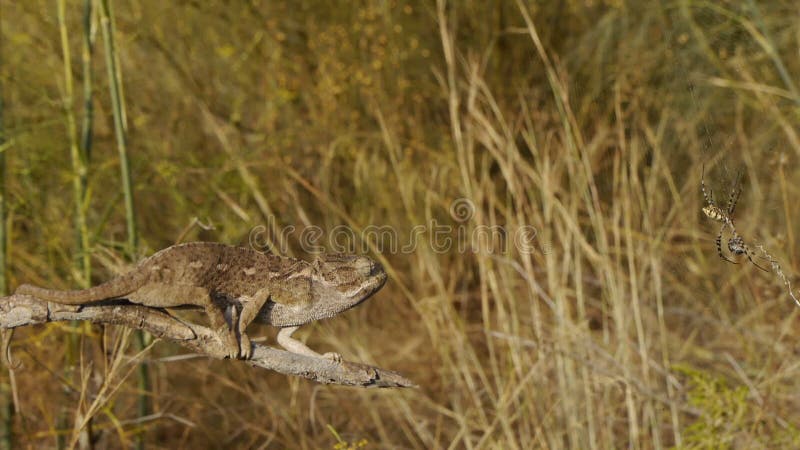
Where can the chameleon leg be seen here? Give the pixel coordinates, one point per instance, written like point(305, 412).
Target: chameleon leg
point(214, 310)
point(163, 295)
point(220, 326)
point(6, 355)
point(249, 312)
point(293, 345)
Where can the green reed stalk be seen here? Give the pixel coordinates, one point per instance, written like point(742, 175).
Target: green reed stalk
point(3, 148)
point(87, 126)
point(84, 155)
point(119, 124)
point(79, 175)
point(77, 157)
point(7, 424)
point(117, 101)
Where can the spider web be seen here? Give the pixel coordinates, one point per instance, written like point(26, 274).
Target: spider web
point(737, 129)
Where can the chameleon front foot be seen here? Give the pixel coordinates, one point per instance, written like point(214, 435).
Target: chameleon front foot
point(245, 347)
point(291, 344)
point(229, 341)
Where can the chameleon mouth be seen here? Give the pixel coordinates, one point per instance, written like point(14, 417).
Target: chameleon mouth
point(378, 274)
point(376, 270)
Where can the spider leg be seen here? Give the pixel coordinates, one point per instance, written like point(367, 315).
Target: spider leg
point(747, 252)
point(709, 197)
point(736, 191)
point(741, 247)
point(719, 244)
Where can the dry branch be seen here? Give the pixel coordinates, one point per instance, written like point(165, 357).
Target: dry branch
point(22, 310)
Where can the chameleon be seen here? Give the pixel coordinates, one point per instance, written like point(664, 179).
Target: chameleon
point(241, 283)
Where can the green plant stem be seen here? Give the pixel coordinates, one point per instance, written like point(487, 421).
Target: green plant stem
point(81, 163)
point(87, 126)
point(79, 173)
point(7, 426)
point(115, 87)
point(119, 125)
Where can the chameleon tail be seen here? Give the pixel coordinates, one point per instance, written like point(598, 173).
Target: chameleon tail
point(116, 288)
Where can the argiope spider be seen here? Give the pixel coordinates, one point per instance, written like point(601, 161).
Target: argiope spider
point(736, 244)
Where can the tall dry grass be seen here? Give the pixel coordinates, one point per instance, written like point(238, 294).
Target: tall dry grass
point(588, 122)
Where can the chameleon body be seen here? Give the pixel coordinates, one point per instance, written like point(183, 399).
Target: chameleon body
point(243, 283)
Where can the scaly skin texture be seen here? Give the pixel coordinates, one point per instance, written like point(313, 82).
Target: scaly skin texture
point(246, 284)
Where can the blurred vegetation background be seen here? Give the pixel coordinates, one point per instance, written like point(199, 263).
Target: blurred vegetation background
point(590, 121)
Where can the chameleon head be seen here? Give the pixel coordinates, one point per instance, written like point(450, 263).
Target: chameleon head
point(331, 284)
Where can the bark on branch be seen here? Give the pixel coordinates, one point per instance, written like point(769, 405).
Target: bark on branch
point(22, 310)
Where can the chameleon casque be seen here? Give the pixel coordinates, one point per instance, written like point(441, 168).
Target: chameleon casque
point(239, 282)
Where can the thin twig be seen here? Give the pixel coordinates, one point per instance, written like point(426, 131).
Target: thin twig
point(776, 269)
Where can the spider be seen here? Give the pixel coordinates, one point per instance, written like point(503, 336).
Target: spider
point(736, 243)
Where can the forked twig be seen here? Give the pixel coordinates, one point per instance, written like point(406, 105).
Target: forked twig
point(23, 310)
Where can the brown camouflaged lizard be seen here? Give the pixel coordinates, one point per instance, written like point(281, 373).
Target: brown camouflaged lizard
point(244, 283)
